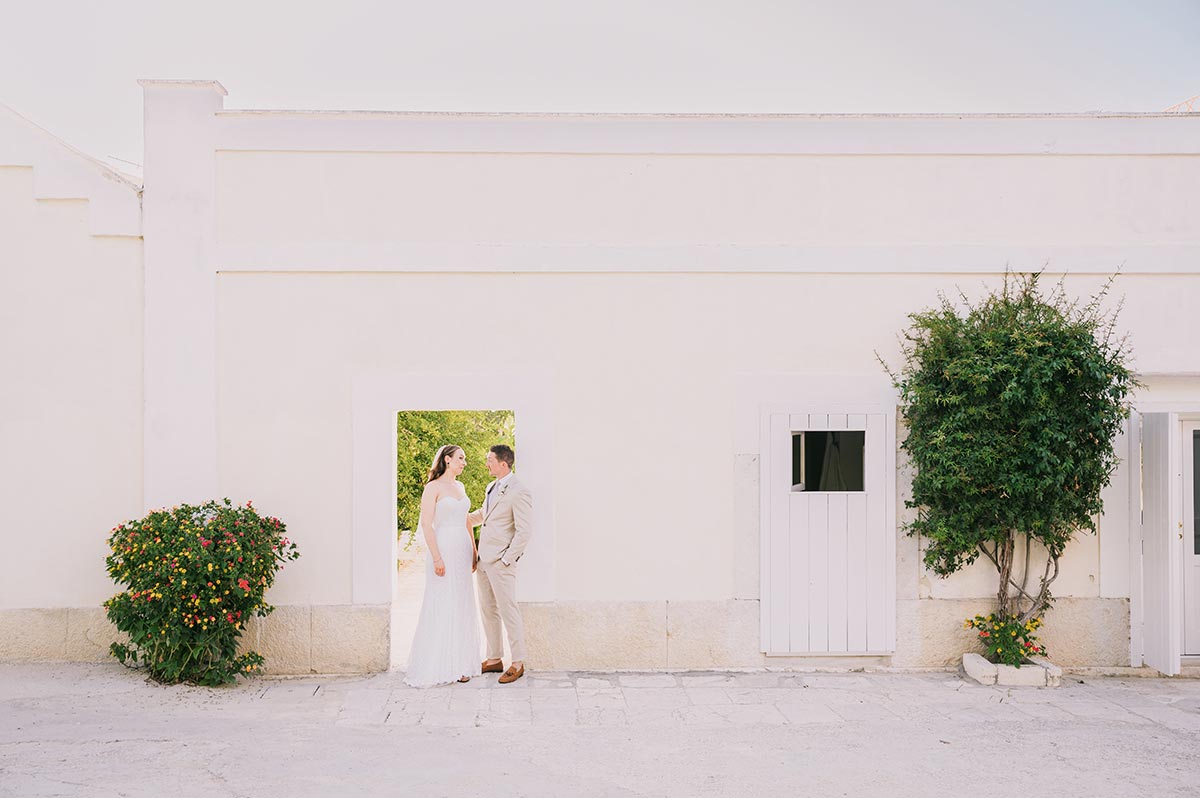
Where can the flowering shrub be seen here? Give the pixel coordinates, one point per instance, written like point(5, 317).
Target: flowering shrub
point(195, 575)
point(1007, 638)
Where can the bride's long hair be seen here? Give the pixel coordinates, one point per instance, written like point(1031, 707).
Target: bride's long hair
point(438, 467)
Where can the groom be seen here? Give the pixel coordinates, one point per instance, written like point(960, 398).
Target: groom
point(507, 516)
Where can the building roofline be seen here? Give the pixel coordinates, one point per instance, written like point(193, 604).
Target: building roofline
point(738, 116)
point(101, 166)
point(214, 85)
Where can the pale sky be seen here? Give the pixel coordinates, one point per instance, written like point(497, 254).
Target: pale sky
point(72, 67)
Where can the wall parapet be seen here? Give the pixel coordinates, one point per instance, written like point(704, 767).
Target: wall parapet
point(62, 172)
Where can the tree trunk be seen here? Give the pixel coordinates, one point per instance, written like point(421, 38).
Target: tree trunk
point(1004, 563)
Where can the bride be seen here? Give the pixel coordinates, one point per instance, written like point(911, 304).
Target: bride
point(445, 646)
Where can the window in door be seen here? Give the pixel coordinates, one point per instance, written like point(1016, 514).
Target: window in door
point(828, 460)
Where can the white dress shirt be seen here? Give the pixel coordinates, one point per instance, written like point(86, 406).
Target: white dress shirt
point(495, 492)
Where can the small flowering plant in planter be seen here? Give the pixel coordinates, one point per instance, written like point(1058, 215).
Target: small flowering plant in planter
point(194, 575)
point(1007, 639)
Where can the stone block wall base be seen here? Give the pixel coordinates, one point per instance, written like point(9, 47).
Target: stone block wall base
point(606, 635)
point(295, 639)
point(1077, 631)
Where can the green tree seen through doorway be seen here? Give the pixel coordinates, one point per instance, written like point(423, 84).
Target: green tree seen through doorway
point(420, 433)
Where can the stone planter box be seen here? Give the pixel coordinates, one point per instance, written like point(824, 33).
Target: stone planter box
point(1036, 672)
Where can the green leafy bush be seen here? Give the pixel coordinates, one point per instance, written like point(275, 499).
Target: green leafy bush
point(1007, 639)
point(1012, 404)
point(194, 577)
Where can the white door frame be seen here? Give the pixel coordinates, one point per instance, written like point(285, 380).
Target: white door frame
point(888, 410)
point(1186, 411)
point(377, 400)
point(1190, 644)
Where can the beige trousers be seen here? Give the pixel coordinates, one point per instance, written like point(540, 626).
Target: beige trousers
point(498, 601)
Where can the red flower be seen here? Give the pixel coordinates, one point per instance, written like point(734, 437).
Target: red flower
point(244, 585)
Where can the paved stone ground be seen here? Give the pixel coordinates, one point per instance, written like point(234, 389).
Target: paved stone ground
point(100, 730)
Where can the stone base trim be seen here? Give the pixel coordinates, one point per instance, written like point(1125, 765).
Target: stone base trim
point(295, 639)
point(598, 635)
point(1077, 632)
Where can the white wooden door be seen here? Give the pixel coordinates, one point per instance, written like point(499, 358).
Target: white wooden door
point(828, 566)
point(1162, 528)
point(1191, 538)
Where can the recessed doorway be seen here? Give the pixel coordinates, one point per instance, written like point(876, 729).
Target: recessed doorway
point(419, 435)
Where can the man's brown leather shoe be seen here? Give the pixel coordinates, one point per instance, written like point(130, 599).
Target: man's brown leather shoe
point(512, 674)
point(495, 667)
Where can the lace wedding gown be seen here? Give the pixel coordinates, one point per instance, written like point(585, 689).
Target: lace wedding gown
point(446, 643)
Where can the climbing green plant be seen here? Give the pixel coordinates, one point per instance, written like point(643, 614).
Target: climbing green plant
point(1011, 404)
point(193, 577)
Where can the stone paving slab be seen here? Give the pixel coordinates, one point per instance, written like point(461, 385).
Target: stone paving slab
point(102, 730)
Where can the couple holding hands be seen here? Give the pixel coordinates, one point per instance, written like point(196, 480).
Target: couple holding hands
point(445, 646)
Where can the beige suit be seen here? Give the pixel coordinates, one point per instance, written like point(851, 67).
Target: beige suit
point(507, 517)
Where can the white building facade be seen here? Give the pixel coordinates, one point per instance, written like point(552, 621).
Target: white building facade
point(672, 306)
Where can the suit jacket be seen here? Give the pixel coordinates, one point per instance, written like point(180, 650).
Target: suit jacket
point(507, 524)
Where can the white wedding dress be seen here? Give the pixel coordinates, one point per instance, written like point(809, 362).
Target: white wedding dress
point(446, 643)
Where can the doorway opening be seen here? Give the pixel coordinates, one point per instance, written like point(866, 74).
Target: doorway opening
point(419, 435)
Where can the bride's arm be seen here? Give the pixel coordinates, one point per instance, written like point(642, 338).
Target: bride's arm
point(474, 548)
point(428, 508)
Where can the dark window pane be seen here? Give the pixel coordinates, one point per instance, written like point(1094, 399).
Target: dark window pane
point(828, 460)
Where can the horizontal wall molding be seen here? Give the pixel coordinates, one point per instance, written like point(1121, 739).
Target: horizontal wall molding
point(730, 258)
point(884, 134)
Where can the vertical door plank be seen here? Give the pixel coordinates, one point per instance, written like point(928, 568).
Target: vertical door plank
point(856, 572)
point(781, 471)
point(838, 554)
point(888, 455)
point(818, 572)
point(798, 611)
point(875, 478)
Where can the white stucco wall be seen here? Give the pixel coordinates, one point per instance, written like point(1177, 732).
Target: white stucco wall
point(655, 285)
point(646, 369)
point(70, 406)
point(656, 200)
point(71, 316)
point(657, 279)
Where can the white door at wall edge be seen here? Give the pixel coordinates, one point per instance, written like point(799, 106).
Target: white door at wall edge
point(828, 523)
point(1191, 539)
point(1162, 537)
